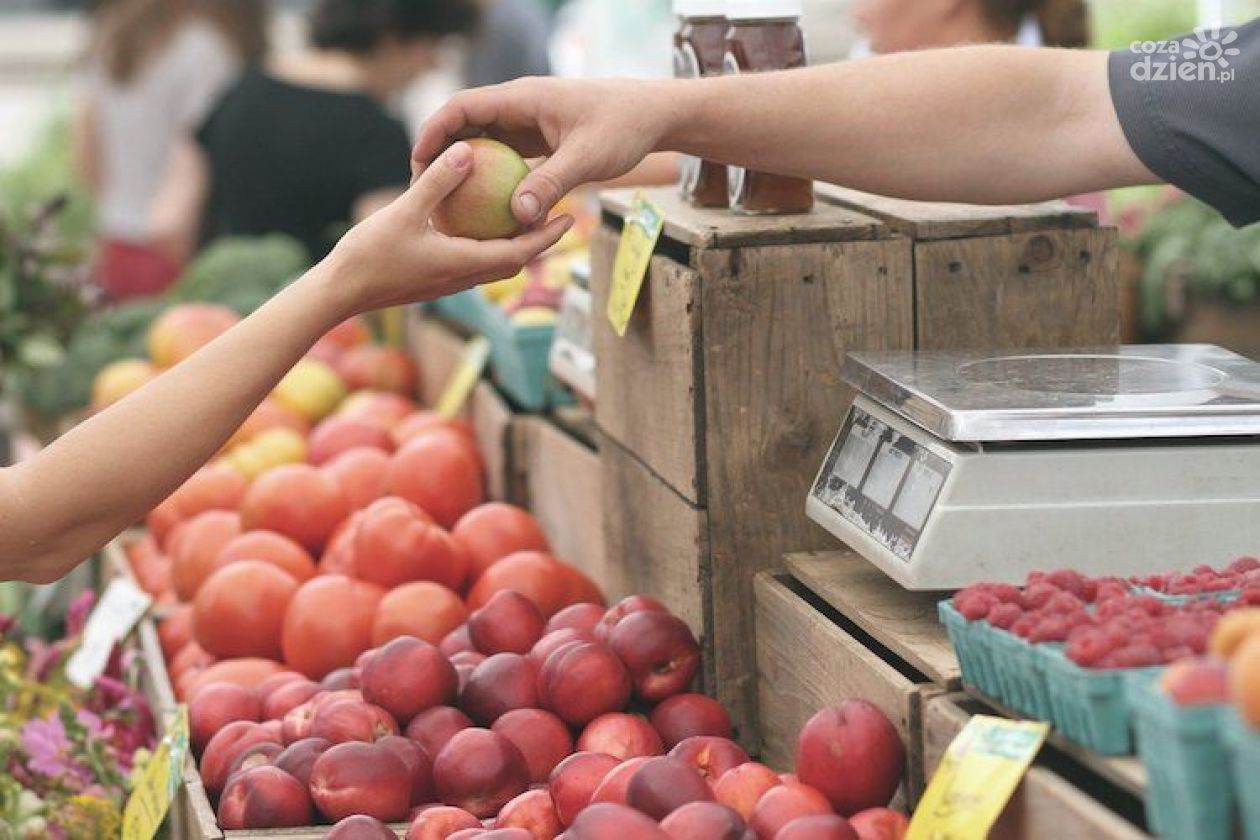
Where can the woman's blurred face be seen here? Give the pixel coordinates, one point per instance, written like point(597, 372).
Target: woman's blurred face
point(402, 61)
point(900, 25)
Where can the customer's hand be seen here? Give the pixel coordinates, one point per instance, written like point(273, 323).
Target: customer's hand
point(588, 130)
point(396, 256)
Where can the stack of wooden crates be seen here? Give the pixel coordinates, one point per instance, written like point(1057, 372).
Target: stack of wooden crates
point(718, 405)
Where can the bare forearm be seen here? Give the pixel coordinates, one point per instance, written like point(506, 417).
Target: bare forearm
point(106, 473)
point(976, 124)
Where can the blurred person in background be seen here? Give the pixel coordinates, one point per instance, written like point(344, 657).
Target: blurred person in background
point(511, 42)
point(892, 26)
point(154, 69)
point(305, 146)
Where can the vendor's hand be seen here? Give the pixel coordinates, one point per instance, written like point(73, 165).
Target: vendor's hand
point(396, 256)
point(589, 131)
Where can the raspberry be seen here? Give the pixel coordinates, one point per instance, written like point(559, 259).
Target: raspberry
point(1034, 578)
point(1064, 603)
point(1203, 569)
point(1023, 626)
point(974, 605)
point(1172, 654)
point(1069, 581)
point(1008, 594)
point(1037, 595)
point(1052, 628)
point(1250, 597)
point(1003, 616)
point(1243, 565)
point(1088, 649)
point(1137, 654)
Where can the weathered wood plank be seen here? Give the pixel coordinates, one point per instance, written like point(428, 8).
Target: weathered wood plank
point(491, 420)
point(805, 662)
point(656, 542)
point(930, 220)
point(716, 228)
point(1046, 806)
point(905, 622)
point(562, 489)
point(436, 349)
point(649, 381)
point(777, 324)
point(1053, 289)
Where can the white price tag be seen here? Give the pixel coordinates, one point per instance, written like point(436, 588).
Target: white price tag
point(111, 620)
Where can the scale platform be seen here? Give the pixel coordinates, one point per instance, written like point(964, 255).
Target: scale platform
point(954, 467)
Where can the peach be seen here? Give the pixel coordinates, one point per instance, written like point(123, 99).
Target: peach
point(184, 329)
point(780, 805)
point(217, 705)
point(534, 812)
point(481, 207)
point(492, 531)
point(468, 657)
point(274, 729)
point(818, 827)
point(457, 641)
point(853, 754)
point(880, 824)
point(272, 683)
point(1198, 681)
point(742, 787)
point(1244, 679)
point(508, 623)
point(398, 542)
point(663, 785)
point(626, 606)
point(440, 823)
point(339, 679)
point(361, 827)
point(351, 721)
point(711, 757)
point(468, 834)
point(441, 474)
point(360, 473)
point(501, 683)
point(686, 715)
point(419, 766)
point(408, 676)
point(432, 728)
point(574, 781)
point(426, 610)
point(511, 833)
point(298, 758)
point(264, 797)
point(270, 547)
point(224, 747)
point(582, 681)
point(606, 821)
point(480, 771)
point(288, 697)
point(541, 737)
point(581, 617)
point(620, 735)
point(335, 436)
point(380, 407)
point(553, 641)
point(296, 724)
point(378, 367)
point(659, 651)
point(1232, 630)
point(358, 778)
point(705, 819)
point(616, 785)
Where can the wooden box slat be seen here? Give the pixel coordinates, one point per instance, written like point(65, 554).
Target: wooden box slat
point(719, 228)
point(807, 662)
point(1046, 806)
point(905, 622)
point(931, 220)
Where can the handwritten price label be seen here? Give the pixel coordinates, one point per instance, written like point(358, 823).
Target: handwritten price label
point(977, 777)
point(111, 620)
point(460, 386)
point(634, 253)
point(158, 783)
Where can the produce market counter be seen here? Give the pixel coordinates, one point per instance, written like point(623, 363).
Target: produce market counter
point(830, 626)
point(718, 404)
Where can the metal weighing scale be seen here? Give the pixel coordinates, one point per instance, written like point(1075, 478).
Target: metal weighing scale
point(957, 467)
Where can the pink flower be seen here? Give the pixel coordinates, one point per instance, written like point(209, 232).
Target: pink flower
point(77, 613)
point(45, 742)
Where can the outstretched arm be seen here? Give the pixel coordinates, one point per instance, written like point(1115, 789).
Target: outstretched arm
point(64, 504)
point(988, 124)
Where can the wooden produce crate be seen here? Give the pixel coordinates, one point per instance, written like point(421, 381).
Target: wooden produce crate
point(556, 476)
point(1049, 804)
point(719, 403)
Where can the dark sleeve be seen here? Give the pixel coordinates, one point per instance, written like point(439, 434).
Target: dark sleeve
point(381, 157)
point(1190, 108)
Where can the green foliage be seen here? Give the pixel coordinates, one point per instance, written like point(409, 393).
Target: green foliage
point(242, 272)
point(1118, 23)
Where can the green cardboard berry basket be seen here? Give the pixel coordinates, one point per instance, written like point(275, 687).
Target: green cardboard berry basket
point(1190, 794)
point(1091, 707)
point(1243, 747)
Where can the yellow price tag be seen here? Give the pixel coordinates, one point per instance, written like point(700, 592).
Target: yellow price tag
point(638, 239)
point(977, 777)
point(158, 783)
point(464, 379)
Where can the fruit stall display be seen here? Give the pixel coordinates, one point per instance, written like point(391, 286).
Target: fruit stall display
point(67, 755)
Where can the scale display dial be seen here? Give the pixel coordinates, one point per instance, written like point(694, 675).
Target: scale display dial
point(881, 481)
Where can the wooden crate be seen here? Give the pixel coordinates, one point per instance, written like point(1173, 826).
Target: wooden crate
point(556, 475)
point(808, 658)
point(718, 405)
point(1047, 805)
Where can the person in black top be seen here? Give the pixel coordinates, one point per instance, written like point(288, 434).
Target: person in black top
point(305, 146)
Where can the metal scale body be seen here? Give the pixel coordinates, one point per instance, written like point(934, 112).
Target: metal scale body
point(957, 467)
